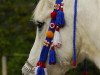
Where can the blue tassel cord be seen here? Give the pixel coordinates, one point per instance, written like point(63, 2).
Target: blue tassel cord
point(52, 56)
point(74, 33)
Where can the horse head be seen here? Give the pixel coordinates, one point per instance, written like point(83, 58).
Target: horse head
point(85, 42)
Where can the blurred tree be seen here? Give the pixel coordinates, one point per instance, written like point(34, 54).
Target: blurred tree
point(17, 32)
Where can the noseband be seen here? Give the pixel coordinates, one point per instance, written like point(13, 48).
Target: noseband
point(28, 67)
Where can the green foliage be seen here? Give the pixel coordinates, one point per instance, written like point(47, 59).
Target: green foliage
point(17, 32)
point(15, 64)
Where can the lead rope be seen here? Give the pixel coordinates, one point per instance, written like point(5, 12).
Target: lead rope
point(74, 33)
point(74, 40)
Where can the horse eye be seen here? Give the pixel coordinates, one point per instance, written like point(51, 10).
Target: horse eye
point(40, 24)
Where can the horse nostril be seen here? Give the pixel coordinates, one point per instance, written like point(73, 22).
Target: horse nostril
point(40, 24)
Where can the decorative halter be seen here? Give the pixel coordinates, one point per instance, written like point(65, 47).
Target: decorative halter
point(53, 40)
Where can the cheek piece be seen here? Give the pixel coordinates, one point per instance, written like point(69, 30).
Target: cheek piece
point(53, 40)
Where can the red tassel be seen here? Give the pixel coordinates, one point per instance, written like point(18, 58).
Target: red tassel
point(41, 64)
point(85, 73)
point(53, 15)
point(74, 64)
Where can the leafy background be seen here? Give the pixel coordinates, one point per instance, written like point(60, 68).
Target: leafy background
point(17, 35)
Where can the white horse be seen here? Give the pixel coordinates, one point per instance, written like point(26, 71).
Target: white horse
point(88, 35)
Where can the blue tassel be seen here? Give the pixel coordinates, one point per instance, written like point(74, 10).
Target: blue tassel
point(60, 20)
point(52, 57)
point(40, 71)
point(44, 53)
